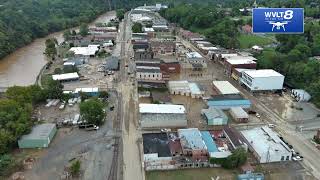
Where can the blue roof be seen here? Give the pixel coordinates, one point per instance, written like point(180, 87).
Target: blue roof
point(230, 103)
point(206, 136)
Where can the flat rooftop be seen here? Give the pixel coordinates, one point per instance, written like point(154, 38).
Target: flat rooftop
point(66, 76)
point(156, 143)
point(161, 108)
point(263, 73)
point(241, 58)
point(41, 131)
point(193, 55)
point(263, 139)
point(225, 87)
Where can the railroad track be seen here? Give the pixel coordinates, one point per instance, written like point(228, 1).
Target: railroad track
point(113, 174)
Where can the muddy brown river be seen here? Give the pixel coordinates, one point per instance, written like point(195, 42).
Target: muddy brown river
point(23, 66)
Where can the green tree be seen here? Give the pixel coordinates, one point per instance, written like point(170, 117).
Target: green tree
point(92, 111)
point(120, 14)
point(51, 49)
point(237, 159)
point(84, 30)
point(137, 28)
point(75, 168)
point(54, 89)
point(103, 94)
point(6, 161)
point(73, 33)
point(67, 35)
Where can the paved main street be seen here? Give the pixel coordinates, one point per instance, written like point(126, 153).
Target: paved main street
point(131, 136)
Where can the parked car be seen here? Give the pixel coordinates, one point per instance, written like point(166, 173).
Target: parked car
point(271, 125)
point(88, 127)
point(63, 104)
point(252, 112)
point(258, 115)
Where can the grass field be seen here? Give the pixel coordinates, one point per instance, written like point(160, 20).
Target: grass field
point(192, 174)
point(249, 40)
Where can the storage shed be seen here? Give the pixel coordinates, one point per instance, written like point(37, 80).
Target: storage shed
point(239, 115)
point(214, 116)
point(40, 136)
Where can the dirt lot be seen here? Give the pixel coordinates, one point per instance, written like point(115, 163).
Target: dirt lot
point(93, 148)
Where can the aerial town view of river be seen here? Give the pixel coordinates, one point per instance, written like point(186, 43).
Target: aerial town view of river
point(23, 66)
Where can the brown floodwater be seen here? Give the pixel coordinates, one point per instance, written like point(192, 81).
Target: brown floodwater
point(23, 66)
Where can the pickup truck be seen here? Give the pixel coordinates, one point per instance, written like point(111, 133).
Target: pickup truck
point(88, 127)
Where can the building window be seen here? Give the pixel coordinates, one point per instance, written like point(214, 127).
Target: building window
point(282, 158)
point(287, 158)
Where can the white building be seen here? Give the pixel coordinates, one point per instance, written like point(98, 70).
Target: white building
point(89, 51)
point(266, 145)
point(225, 87)
point(262, 80)
point(185, 88)
point(162, 115)
point(195, 57)
point(66, 77)
point(148, 73)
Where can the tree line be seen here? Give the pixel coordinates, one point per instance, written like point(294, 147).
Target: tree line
point(210, 21)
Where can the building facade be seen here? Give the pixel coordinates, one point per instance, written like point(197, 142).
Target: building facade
point(262, 80)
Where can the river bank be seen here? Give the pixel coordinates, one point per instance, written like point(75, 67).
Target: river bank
point(24, 65)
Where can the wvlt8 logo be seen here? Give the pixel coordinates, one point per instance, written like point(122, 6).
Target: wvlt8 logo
point(278, 20)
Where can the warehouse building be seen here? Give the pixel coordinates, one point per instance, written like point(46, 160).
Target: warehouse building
point(89, 51)
point(266, 145)
point(226, 102)
point(239, 115)
point(262, 80)
point(225, 87)
point(185, 88)
point(214, 116)
point(40, 136)
point(66, 77)
point(162, 115)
